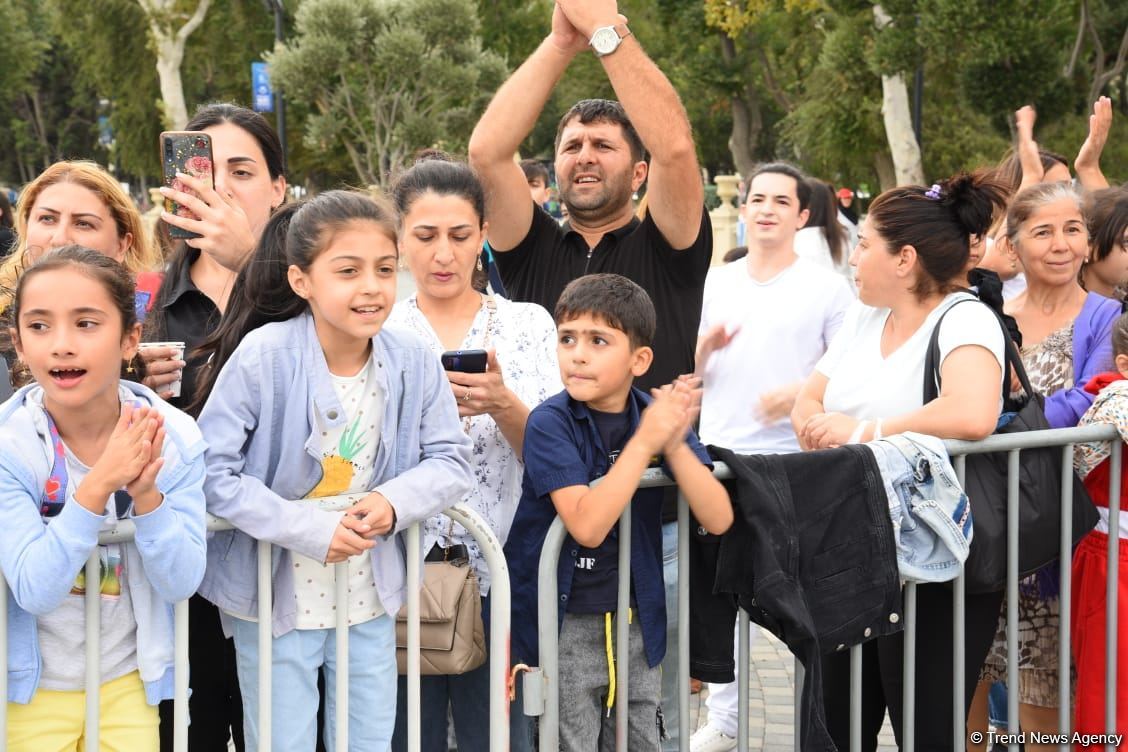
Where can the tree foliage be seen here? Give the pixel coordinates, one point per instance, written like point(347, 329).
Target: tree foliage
point(387, 78)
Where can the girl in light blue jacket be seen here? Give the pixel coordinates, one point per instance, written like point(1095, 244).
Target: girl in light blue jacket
point(84, 453)
point(311, 397)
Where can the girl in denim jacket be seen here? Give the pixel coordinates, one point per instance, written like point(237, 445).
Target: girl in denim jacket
point(311, 397)
point(81, 451)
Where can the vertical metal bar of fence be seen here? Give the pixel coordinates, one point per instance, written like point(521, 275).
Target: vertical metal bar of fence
point(1012, 591)
point(414, 738)
point(180, 677)
point(500, 613)
point(743, 644)
point(959, 639)
point(622, 633)
point(1112, 589)
point(797, 701)
point(548, 634)
point(341, 595)
point(908, 713)
point(265, 644)
point(4, 655)
point(856, 698)
point(93, 646)
point(1066, 590)
point(683, 624)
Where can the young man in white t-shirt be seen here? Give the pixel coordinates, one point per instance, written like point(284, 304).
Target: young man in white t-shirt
point(766, 319)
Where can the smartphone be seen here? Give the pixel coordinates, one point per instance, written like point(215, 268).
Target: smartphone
point(466, 361)
point(190, 153)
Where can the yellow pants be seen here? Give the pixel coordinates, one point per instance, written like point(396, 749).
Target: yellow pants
point(56, 721)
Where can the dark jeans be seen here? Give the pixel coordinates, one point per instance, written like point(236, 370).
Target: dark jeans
point(883, 678)
point(215, 706)
point(468, 697)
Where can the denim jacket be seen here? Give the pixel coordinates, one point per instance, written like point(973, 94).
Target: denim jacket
point(264, 452)
point(929, 510)
point(40, 556)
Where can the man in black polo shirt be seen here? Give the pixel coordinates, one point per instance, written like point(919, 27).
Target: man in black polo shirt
point(600, 162)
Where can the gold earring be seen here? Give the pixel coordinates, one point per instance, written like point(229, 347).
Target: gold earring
point(129, 364)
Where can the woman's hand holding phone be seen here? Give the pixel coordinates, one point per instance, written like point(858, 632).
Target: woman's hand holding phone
point(224, 230)
point(481, 393)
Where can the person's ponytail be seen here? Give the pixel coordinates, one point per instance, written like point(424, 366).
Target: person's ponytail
point(975, 198)
point(261, 294)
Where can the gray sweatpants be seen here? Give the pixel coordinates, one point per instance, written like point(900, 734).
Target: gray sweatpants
point(584, 723)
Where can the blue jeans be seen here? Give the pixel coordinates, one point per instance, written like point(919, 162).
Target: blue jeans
point(297, 657)
point(468, 697)
point(669, 705)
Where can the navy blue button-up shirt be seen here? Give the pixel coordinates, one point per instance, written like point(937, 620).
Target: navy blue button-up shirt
point(563, 448)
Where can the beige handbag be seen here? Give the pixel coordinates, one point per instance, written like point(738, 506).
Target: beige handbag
point(452, 639)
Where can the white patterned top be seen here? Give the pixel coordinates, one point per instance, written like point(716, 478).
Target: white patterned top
point(524, 336)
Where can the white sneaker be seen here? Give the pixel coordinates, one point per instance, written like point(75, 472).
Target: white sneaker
point(709, 738)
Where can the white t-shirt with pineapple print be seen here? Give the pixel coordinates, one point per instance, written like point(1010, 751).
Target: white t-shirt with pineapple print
point(348, 458)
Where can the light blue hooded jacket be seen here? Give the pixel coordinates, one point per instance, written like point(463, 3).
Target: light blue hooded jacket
point(264, 453)
point(40, 557)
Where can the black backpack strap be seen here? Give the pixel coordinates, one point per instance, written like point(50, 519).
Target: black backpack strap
point(932, 358)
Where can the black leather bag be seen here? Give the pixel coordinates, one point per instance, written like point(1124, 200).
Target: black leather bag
point(1039, 486)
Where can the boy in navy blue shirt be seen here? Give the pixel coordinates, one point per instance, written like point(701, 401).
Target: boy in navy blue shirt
point(601, 427)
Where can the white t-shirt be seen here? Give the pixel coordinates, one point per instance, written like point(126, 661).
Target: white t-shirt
point(348, 461)
point(864, 385)
point(786, 324)
point(811, 243)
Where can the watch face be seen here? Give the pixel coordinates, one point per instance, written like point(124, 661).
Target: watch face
point(604, 40)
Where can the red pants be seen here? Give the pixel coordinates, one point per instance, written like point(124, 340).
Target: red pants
point(1090, 572)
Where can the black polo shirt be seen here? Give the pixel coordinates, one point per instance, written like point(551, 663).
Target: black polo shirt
point(186, 315)
point(552, 255)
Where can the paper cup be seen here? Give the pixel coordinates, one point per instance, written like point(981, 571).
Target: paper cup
point(174, 387)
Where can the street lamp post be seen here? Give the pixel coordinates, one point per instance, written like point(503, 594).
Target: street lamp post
point(275, 6)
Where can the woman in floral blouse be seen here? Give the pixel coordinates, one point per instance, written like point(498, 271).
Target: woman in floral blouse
point(442, 206)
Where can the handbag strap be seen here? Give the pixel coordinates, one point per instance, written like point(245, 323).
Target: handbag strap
point(932, 357)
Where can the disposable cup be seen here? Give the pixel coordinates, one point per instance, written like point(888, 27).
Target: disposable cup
point(174, 387)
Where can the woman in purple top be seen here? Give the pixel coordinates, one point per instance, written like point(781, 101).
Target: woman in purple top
point(1066, 340)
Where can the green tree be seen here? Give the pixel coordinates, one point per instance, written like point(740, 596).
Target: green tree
point(386, 78)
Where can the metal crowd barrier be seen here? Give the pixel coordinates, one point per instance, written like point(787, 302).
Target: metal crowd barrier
point(498, 647)
point(541, 683)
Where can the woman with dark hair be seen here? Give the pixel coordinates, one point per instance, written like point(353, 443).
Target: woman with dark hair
point(1066, 341)
point(249, 185)
point(441, 208)
point(822, 239)
point(1105, 271)
point(914, 243)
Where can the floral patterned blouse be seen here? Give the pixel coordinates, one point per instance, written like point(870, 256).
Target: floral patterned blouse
point(524, 336)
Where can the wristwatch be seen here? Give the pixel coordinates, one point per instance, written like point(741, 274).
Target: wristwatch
point(607, 39)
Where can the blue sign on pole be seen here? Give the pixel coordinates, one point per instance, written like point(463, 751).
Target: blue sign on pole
point(261, 90)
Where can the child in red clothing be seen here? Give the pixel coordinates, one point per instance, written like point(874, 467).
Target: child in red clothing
point(1090, 562)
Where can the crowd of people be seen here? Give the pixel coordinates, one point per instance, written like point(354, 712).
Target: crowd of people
point(284, 369)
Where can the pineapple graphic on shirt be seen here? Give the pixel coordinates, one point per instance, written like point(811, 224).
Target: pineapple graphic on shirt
point(338, 469)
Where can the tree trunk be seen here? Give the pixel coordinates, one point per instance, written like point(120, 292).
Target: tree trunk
point(747, 120)
point(168, 42)
point(886, 175)
point(898, 119)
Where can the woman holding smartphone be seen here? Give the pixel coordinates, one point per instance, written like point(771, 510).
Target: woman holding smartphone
point(249, 185)
point(441, 208)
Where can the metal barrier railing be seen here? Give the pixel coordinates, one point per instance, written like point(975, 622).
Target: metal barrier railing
point(542, 683)
point(498, 648)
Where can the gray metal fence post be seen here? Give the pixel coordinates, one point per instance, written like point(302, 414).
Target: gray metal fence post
point(1066, 590)
point(959, 640)
point(180, 677)
point(683, 625)
point(623, 634)
point(743, 647)
point(908, 734)
point(93, 647)
point(265, 645)
point(1112, 590)
point(341, 635)
point(548, 633)
point(414, 577)
point(1012, 589)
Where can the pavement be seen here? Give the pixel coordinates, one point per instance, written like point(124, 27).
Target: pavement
point(771, 700)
